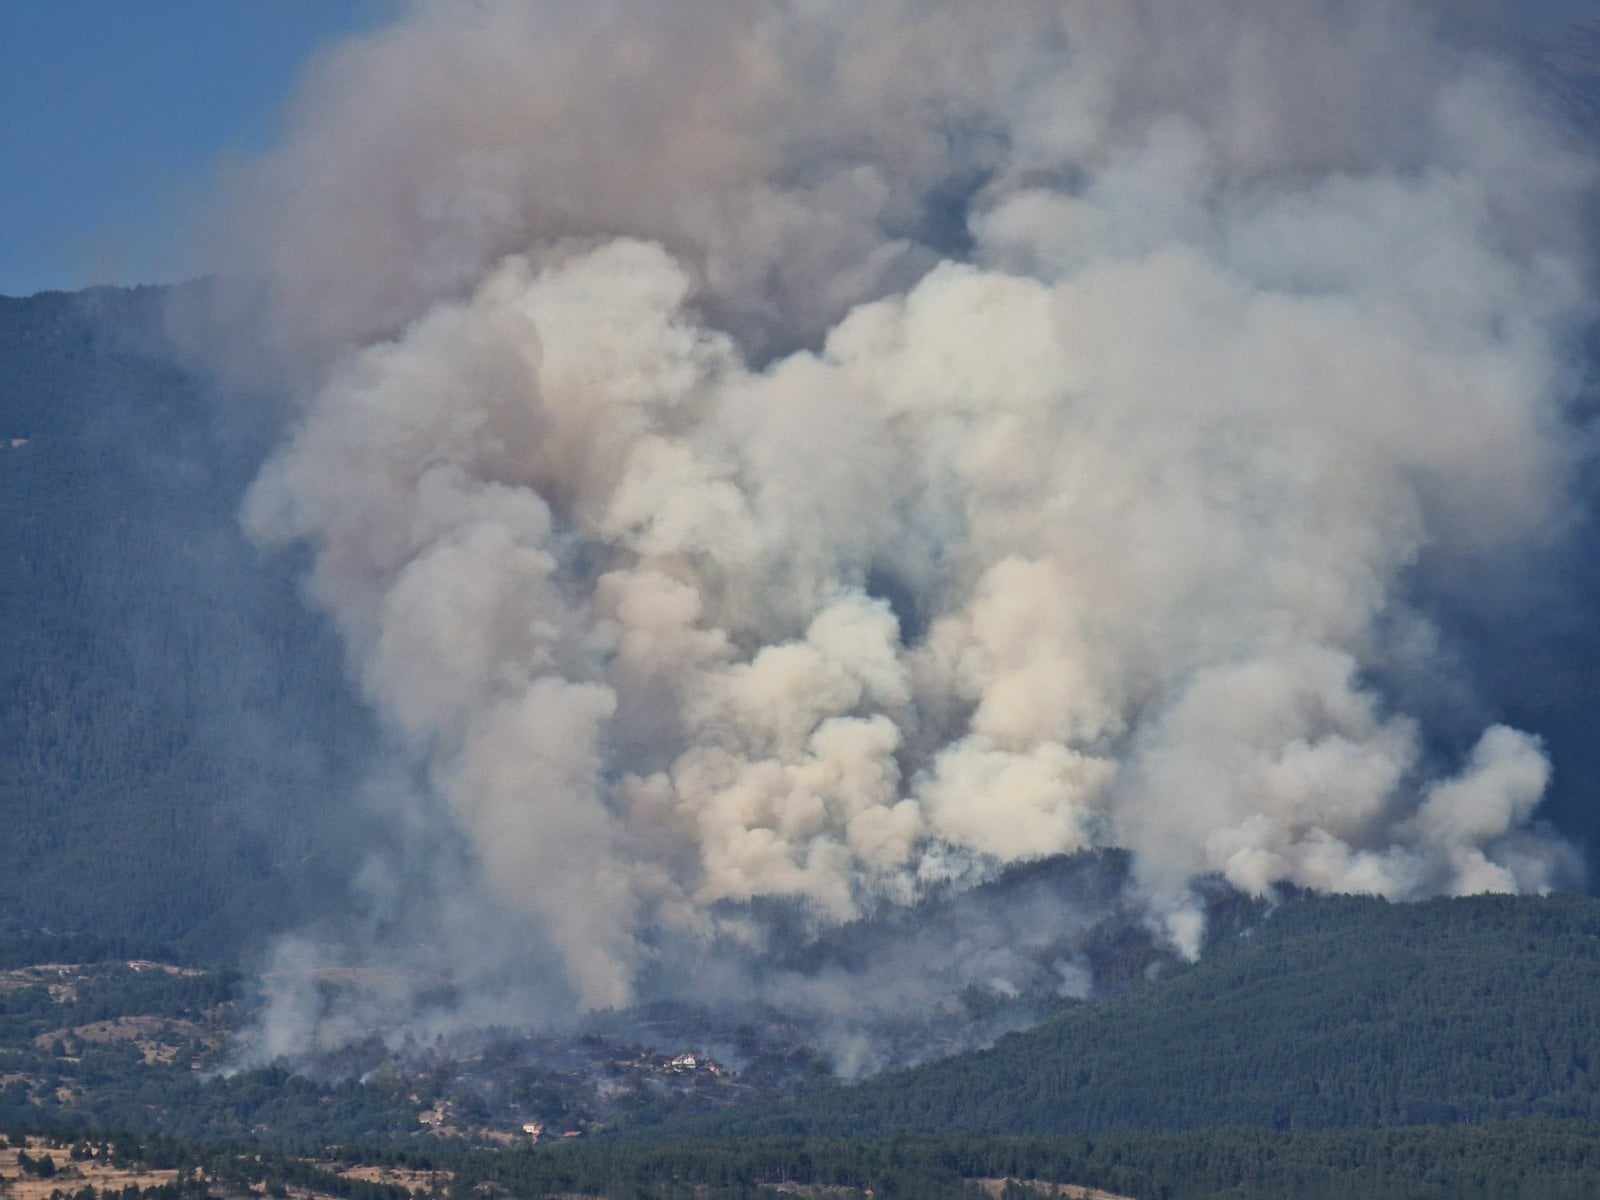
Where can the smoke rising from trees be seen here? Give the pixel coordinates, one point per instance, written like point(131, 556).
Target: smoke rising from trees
point(800, 451)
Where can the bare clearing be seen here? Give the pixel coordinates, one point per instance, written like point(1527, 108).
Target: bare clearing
point(71, 1175)
point(432, 1182)
point(60, 979)
point(63, 979)
point(158, 1038)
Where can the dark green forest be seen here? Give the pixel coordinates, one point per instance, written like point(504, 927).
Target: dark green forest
point(174, 717)
point(1328, 1012)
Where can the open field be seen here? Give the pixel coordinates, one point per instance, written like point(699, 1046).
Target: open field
point(71, 1175)
point(59, 979)
point(432, 1182)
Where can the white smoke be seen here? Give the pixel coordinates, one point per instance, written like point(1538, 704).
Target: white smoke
point(818, 450)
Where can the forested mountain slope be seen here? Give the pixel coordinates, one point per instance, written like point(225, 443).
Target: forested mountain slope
point(1330, 1012)
point(173, 718)
point(180, 747)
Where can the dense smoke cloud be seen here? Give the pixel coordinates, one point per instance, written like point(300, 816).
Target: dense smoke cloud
point(819, 451)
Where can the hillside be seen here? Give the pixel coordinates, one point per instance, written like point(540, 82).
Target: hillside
point(173, 716)
point(1336, 1047)
point(182, 741)
point(1324, 1013)
point(1332, 1012)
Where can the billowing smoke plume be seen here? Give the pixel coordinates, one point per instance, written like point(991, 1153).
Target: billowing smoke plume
point(814, 450)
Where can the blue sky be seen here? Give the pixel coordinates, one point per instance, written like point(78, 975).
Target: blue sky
point(115, 113)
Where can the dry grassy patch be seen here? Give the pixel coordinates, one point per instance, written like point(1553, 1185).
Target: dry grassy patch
point(70, 1176)
point(293, 1193)
point(60, 979)
point(157, 1038)
point(428, 1181)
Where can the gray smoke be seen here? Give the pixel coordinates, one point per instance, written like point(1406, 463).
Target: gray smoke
point(823, 451)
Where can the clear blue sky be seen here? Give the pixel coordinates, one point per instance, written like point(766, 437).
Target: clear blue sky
point(113, 114)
